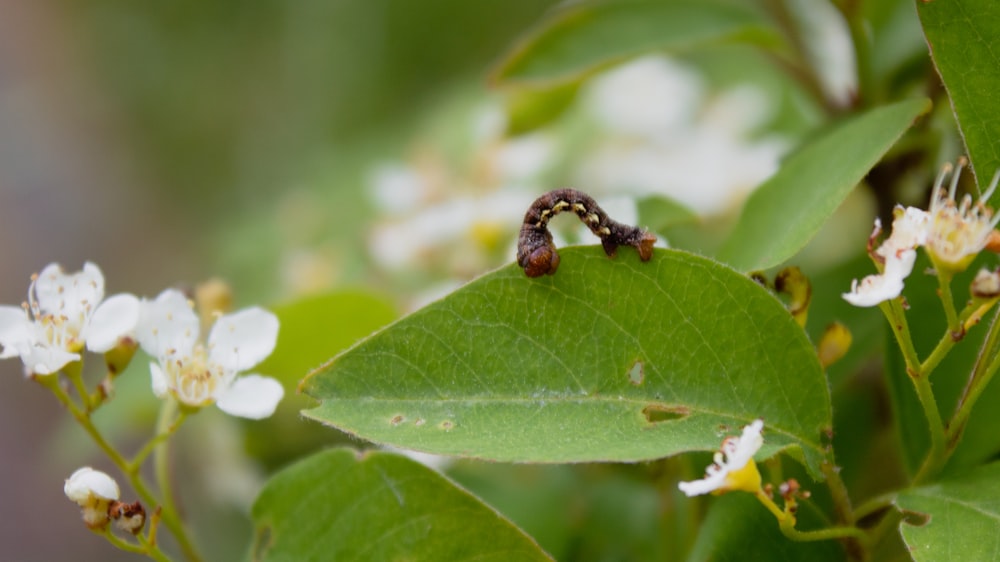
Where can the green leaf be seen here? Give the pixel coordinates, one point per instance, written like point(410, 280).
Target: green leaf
point(957, 519)
point(659, 213)
point(608, 511)
point(586, 36)
point(528, 109)
point(337, 505)
point(608, 360)
point(786, 211)
point(962, 39)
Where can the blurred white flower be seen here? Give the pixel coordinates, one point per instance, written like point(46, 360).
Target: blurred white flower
point(93, 491)
point(667, 136)
point(198, 373)
point(650, 96)
point(64, 314)
point(397, 188)
point(405, 243)
point(734, 467)
point(523, 158)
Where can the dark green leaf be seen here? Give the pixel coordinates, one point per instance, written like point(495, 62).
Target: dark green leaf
point(586, 36)
point(789, 208)
point(336, 505)
point(963, 41)
point(544, 370)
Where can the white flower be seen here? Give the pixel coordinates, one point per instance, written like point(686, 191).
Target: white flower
point(957, 232)
point(885, 286)
point(65, 313)
point(952, 233)
point(909, 230)
point(93, 491)
point(199, 373)
point(734, 467)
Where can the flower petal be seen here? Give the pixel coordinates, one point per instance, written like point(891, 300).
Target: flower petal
point(114, 319)
point(44, 360)
point(167, 325)
point(712, 481)
point(72, 295)
point(87, 482)
point(159, 380)
point(243, 339)
point(15, 331)
point(251, 396)
point(878, 288)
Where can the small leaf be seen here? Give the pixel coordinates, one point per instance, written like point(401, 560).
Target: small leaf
point(337, 505)
point(528, 108)
point(962, 39)
point(789, 208)
point(957, 519)
point(586, 36)
point(543, 370)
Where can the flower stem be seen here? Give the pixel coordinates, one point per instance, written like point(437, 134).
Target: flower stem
point(83, 418)
point(131, 471)
point(838, 492)
point(893, 311)
point(948, 301)
point(144, 547)
point(169, 514)
point(986, 366)
point(786, 522)
point(897, 321)
point(161, 435)
point(74, 372)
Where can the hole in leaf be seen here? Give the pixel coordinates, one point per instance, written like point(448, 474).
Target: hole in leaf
point(916, 518)
point(637, 373)
point(447, 425)
point(657, 413)
point(397, 419)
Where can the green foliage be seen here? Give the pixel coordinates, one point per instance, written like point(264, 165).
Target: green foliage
point(962, 39)
point(339, 505)
point(539, 370)
point(957, 517)
point(785, 212)
point(585, 36)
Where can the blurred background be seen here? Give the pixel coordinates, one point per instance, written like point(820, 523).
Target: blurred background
point(295, 148)
point(171, 142)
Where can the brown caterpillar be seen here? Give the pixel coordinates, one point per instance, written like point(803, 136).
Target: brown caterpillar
point(536, 252)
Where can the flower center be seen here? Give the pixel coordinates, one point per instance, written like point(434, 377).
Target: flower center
point(193, 378)
point(57, 323)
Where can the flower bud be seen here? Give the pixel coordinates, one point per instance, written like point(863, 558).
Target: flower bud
point(986, 285)
point(93, 491)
